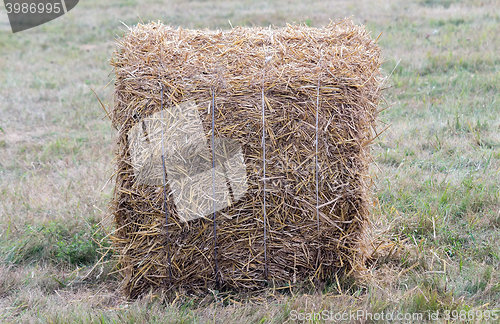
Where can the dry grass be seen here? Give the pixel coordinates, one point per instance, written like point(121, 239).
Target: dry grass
point(437, 195)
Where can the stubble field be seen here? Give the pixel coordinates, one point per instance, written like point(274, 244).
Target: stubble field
point(436, 210)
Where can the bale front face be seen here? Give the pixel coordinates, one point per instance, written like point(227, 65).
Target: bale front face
point(312, 92)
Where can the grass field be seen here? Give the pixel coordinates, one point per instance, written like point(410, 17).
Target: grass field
point(436, 178)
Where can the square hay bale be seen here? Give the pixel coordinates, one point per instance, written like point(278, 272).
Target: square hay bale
point(242, 155)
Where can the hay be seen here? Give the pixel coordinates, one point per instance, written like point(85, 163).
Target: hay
point(316, 89)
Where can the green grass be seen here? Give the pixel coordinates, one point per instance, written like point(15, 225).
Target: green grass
point(55, 242)
point(437, 180)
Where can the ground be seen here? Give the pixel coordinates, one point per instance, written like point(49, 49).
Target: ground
point(436, 170)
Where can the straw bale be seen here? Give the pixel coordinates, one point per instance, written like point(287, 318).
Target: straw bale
point(288, 76)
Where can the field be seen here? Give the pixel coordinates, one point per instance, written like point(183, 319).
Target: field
point(436, 212)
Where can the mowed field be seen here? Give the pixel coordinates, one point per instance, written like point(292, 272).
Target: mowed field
point(436, 211)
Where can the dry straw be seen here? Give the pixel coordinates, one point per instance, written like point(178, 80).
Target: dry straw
point(310, 95)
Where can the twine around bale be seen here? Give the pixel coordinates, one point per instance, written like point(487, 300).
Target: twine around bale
point(264, 211)
point(165, 192)
point(213, 183)
point(316, 168)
